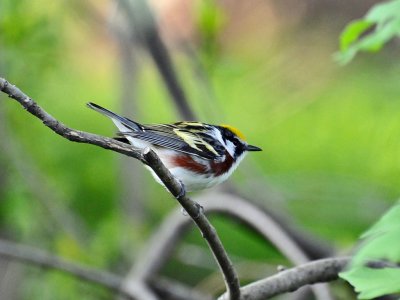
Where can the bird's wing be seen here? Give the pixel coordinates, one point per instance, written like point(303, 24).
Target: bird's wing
point(188, 137)
point(180, 138)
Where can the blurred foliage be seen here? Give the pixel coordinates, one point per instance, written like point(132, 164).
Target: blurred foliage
point(381, 242)
point(30, 33)
point(210, 21)
point(329, 134)
point(380, 25)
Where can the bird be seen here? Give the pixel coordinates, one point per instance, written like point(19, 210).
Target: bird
point(198, 155)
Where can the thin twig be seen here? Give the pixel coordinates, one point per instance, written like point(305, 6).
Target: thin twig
point(151, 159)
point(323, 270)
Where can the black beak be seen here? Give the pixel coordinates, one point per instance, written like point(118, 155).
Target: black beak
point(252, 148)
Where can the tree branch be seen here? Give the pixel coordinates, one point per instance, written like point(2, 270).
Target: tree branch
point(73, 135)
point(151, 159)
point(323, 270)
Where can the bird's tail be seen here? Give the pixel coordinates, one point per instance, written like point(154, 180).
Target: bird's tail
point(116, 118)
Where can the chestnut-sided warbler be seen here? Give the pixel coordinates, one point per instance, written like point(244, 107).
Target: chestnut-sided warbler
point(199, 155)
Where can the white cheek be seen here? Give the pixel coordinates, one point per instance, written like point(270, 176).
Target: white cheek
point(230, 147)
point(218, 136)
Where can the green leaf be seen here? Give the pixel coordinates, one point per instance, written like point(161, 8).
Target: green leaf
point(388, 221)
point(381, 36)
point(382, 246)
point(381, 243)
point(386, 19)
point(372, 283)
point(352, 32)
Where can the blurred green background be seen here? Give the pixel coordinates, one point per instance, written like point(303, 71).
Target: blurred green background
point(330, 134)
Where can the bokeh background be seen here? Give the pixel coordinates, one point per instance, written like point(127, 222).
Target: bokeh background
point(330, 133)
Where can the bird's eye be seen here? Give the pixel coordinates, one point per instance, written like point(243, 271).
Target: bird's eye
point(228, 134)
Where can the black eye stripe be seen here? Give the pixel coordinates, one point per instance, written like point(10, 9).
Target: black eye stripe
point(226, 134)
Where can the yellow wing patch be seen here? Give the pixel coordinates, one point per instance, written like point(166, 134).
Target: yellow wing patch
point(235, 131)
point(192, 140)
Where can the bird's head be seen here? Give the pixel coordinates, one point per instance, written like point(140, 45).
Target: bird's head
point(235, 141)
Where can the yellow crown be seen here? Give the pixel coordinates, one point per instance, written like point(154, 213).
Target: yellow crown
point(235, 131)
